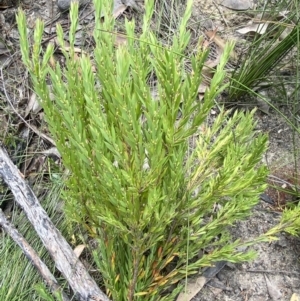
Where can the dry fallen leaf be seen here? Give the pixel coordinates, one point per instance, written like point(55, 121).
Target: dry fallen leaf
point(52, 151)
point(119, 8)
point(52, 62)
point(260, 28)
point(33, 105)
point(295, 297)
point(237, 4)
point(202, 88)
point(76, 50)
point(209, 64)
point(78, 250)
point(131, 3)
point(219, 42)
point(193, 287)
point(273, 290)
point(120, 39)
point(285, 33)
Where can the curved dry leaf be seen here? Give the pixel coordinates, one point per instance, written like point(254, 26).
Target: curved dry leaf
point(260, 28)
point(33, 105)
point(273, 290)
point(120, 39)
point(237, 4)
point(194, 286)
point(295, 297)
point(213, 36)
point(52, 151)
point(131, 3)
point(78, 250)
point(119, 8)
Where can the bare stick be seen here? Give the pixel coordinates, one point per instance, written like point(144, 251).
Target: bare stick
point(294, 273)
point(32, 256)
point(65, 259)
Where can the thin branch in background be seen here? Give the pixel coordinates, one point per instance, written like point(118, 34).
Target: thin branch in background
point(32, 256)
point(33, 128)
point(64, 257)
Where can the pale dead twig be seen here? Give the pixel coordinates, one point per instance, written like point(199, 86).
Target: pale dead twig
point(278, 180)
point(275, 272)
point(64, 257)
point(31, 255)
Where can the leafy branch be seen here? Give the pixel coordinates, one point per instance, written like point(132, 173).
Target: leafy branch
point(135, 184)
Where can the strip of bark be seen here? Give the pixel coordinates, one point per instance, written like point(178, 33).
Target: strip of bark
point(65, 259)
point(32, 256)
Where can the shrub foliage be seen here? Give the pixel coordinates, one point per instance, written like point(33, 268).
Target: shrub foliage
point(149, 178)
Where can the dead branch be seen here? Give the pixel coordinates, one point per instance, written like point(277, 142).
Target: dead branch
point(31, 255)
point(65, 260)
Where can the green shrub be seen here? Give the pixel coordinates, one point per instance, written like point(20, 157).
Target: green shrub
point(151, 195)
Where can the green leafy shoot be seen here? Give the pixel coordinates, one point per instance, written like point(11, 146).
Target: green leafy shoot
point(123, 119)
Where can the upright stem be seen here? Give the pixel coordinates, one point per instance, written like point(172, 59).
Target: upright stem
point(136, 263)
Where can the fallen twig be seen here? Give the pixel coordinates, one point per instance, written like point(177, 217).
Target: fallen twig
point(275, 272)
point(65, 259)
point(31, 255)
